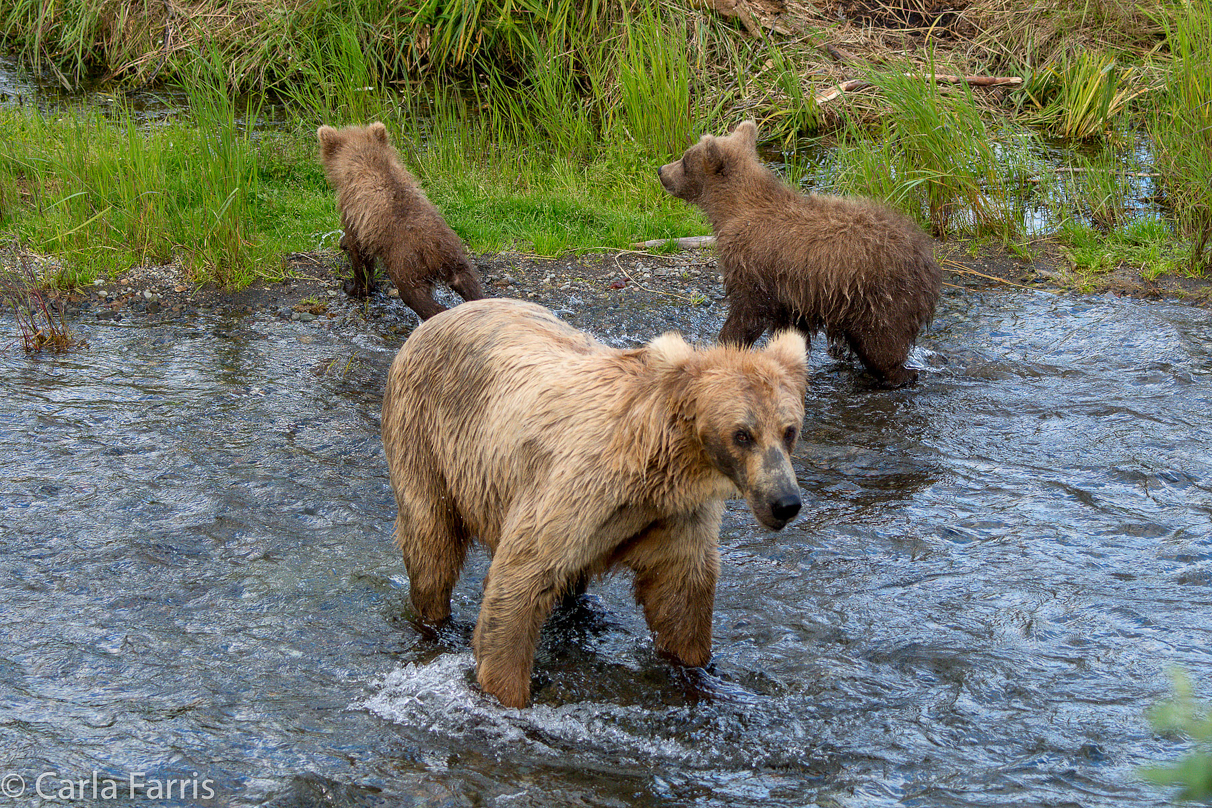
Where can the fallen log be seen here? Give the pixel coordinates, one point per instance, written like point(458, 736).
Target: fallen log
point(975, 81)
point(686, 243)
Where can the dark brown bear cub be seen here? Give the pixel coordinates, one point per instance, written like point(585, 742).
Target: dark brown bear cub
point(863, 273)
point(386, 215)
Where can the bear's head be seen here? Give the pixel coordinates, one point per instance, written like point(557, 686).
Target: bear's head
point(710, 160)
point(334, 141)
point(745, 409)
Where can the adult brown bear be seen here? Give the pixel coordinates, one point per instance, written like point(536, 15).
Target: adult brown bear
point(568, 458)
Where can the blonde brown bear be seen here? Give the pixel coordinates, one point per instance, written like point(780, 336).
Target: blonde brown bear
point(860, 271)
point(568, 458)
point(385, 215)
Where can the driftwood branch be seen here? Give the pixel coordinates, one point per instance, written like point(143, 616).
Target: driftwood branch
point(976, 81)
point(170, 14)
point(687, 243)
point(839, 54)
point(844, 87)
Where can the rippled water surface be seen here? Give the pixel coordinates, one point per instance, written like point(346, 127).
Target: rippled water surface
point(991, 577)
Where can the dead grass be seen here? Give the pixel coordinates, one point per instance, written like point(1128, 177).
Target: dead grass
point(41, 322)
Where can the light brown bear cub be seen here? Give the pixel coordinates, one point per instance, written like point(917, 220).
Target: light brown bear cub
point(385, 215)
point(860, 271)
point(568, 458)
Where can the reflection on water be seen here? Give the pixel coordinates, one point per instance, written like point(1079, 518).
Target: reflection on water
point(989, 579)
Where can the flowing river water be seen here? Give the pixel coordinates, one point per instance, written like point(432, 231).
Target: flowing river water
point(992, 575)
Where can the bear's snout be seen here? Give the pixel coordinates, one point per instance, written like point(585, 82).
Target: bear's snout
point(775, 503)
point(785, 507)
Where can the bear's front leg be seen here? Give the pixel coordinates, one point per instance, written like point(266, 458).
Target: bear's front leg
point(677, 564)
point(518, 596)
point(361, 280)
point(745, 323)
point(420, 299)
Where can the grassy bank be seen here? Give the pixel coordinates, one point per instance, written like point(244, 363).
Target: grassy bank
point(538, 126)
point(103, 192)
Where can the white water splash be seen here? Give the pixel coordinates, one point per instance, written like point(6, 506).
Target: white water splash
point(438, 698)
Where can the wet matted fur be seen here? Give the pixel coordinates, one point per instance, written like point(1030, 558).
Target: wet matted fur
point(860, 271)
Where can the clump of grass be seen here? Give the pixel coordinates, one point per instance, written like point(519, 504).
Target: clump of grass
point(1098, 186)
point(655, 79)
point(502, 31)
point(793, 113)
point(225, 178)
point(1145, 244)
point(1181, 129)
point(1186, 717)
point(41, 321)
point(337, 73)
point(1083, 95)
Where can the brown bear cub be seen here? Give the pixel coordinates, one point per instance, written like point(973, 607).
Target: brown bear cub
point(860, 271)
point(568, 458)
point(385, 215)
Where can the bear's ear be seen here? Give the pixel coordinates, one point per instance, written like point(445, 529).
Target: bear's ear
point(329, 140)
point(378, 131)
point(789, 349)
point(713, 156)
point(746, 134)
point(669, 351)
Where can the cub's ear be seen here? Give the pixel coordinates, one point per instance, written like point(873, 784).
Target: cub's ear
point(789, 349)
point(329, 140)
point(746, 134)
point(378, 131)
point(713, 155)
point(669, 351)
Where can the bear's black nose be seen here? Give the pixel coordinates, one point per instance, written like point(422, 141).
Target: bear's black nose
point(659, 171)
point(785, 507)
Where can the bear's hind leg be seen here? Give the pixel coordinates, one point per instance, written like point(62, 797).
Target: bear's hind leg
point(886, 364)
point(362, 267)
point(744, 325)
point(885, 360)
point(676, 566)
point(434, 546)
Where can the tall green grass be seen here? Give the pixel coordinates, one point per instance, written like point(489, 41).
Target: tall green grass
point(1181, 128)
point(656, 83)
point(555, 110)
point(337, 74)
point(107, 191)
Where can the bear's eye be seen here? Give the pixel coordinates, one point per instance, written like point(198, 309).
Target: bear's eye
point(789, 435)
point(742, 437)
